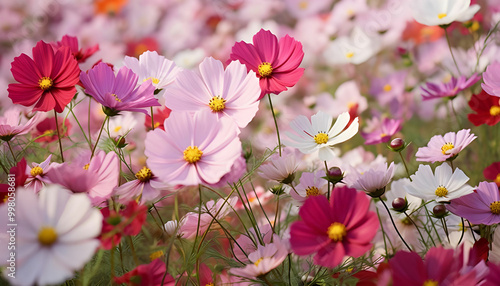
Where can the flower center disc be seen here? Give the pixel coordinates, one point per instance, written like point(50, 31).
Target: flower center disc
point(495, 110)
point(446, 147)
point(144, 174)
point(312, 191)
point(442, 15)
point(45, 83)
point(336, 231)
point(430, 282)
point(47, 236)
point(36, 171)
point(192, 154)
point(321, 138)
point(265, 69)
point(441, 191)
point(217, 103)
point(387, 87)
point(495, 207)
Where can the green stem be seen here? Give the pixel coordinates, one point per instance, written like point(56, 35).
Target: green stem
point(394, 224)
point(326, 171)
point(81, 128)
point(59, 136)
point(451, 52)
point(3, 167)
point(12, 152)
point(413, 222)
point(132, 248)
point(275, 123)
point(404, 163)
point(98, 137)
point(152, 120)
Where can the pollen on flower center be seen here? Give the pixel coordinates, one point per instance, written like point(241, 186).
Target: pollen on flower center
point(336, 231)
point(349, 55)
point(265, 69)
point(312, 191)
point(86, 167)
point(303, 5)
point(441, 191)
point(192, 154)
point(256, 263)
point(442, 15)
point(47, 236)
point(495, 110)
point(45, 83)
point(430, 282)
point(36, 171)
point(153, 80)
point(48, 132)
point(156, 254)
point(144, 174)
point(116, 97)
point(387, 87)
point(217, 103)
point(382, 135)
point(321, 138)
point(495, 207)
point(446, 147)
point(497, 179)
point(117, 128)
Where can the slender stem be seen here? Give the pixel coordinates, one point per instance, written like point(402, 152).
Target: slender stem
point(472, 231)
point(98, 137)
point(326, 171)
point(12, 152)
point(394, 224)
point(81, 128)
point(275, 122)
point(463, 231)
point(445, 228)
point(59, 136)
point(132, 248)
point(276, 215)
point(88, 121)
point(451, 52)
point(152, 120)
point(112, 259)
point(455, 113)
point(413, 222)
point(161, 220)
point(404, 163)
point(3, 167)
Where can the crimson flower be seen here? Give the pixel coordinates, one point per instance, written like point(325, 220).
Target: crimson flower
point(47, 127)
point(147, 274)
point(72, 43)
point(48, 79)
point(487, 108)
point(492, 173)
point(275, 63)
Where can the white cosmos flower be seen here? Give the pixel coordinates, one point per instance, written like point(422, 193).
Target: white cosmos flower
point(150, 65)
point(121, 124)
point(442, 12)
point(355, 49)
point(56, 235)
point(319, 134)
point(442, 186)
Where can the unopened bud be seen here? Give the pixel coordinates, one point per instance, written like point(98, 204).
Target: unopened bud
point(439, 211)
point(334, 175)
point(397, 145)
point(400, 204)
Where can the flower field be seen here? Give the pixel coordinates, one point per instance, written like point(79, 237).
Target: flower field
point(250, 142)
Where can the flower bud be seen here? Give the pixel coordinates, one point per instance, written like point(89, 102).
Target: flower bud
point(400, 204)
point(397, 145)
point(334, 175)
point(439, 211)
point(278, 190)
point(120, 142)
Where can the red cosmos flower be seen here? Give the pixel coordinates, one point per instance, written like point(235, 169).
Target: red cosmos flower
point(147, 274)
point(48, 79)
point(19, 175)
point(72, 43)
point(48, 128)
point(492, 172)
point(487, 108)
point(275, 63)
point(160, 114)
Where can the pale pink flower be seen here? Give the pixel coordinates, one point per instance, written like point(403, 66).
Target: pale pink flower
point(374, 180)
point(146, 188)
point(195, 149)
point(281, 168)
point(310, 184)
point(441, 148)
point(14, 123)
point(36, 175)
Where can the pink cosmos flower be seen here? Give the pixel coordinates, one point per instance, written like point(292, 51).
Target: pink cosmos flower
point(491, 78)
point(118, 93)
point(310, 184)
point(247, 245)
point(480, 207)
point(264, 259)
point(374, 180)
point(332, 230)
point(81, 55)
point(97, 178)
point(442, 148)
point(276, 63)
point(380, 131)
point(14, 123)
point(196, 149)
point(36, 175)
point(254, 198)
point(281, 168)
point(148, 274)
point(226, 93)
point(147, 188)
point(48, 79)
point(449, 89)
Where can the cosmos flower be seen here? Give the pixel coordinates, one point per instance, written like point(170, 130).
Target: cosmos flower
point(480, 207)
point(81, 55)
point(442, 148)
point(48, 80)
point(14, 123)
point(331, 230)
point(122, 124)
point(159, 116)
point(487, 108)
point(380, 131)
point(355, 49)
point(276, 63)
point(491, 78)
point(443, 12)
point(197, 149)
point(448, 89)
point(318, 135)
point(152, 273)
point(146, 188)
point(374, 180)
point(36, 175)
point(118, 93)
point(442, 186)
point(492, 172)
point(47, 128)
point(310, 184)
point(57, 235)
point(228, 93)
point(281, 168)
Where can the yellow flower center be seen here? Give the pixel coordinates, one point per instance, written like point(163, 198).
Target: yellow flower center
point(387, 87)
point(446, 147)
point(303, 5)
point(48, 132)
point(217, 104)
point(153, 80)
point(430, 282)
point(382, 135)
point(312, 191)
point(349, 55)
point(45, 83)
point(156, 254)
point(441, 16)
point(497, 179)
point(474, 26)
point(210, 284)
point(36, 171)
point(192, 154)
point(256, 263)
point(336, 231)
point(321, 138)
point(117, 128)
point(116, 97)
point(441, 191)
point(495, 207)
point(265, 69)
point(86, 167)
point(47, 236)
point(144, 174)
point(495, 110)
point(157, 124)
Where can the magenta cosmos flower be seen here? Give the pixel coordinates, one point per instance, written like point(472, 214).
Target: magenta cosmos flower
point(332, 230)
point(14, 123)
point(442, 148)
point(48, 79)
point(118, 93)
point(193, 149)
point(480, 207)
point(275, 63)
point(81, 55)
point(226, 93)
point(146, 188)
point(449, 89)
point(380, 131)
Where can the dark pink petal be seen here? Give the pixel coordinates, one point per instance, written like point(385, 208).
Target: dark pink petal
point(62, 96)
point(247, 55)
point(25, 71)
point(43, 55)
point(24, 95)
point(304, 241)
point(316, 213)
point(270, 85)
point(331, 255)
point(266, 45)
point(290, 54)
point(439, 262)
point(407, 269)
point(290, 78)
point(66, 71)
point(46, 102)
